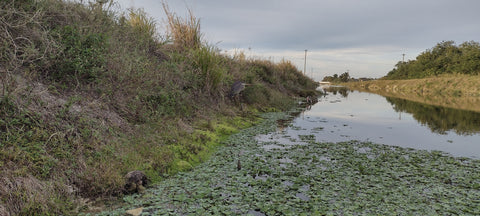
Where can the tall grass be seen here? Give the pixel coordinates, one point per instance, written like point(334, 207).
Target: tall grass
point(142, 23)
point(184, 31)
point(211, 67)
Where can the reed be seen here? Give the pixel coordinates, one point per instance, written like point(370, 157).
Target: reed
point(185, 32)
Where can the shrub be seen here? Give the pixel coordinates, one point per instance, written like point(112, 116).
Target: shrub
point(265, 70)
point(166, 103)
point(210, 65)
point(142, 23)
point(255, 94)
point(265, 97)
point(83, 57)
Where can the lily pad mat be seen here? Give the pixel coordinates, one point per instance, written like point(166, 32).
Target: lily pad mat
point(311, 178)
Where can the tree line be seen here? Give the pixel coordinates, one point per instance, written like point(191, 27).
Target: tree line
point(445, 58)
point(344, 77)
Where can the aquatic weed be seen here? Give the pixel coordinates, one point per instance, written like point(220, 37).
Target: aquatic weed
point(318, 178)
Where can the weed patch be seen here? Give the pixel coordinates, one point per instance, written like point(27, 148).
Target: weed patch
point(82, 58)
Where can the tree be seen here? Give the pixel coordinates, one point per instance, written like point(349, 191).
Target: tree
point(445, 57)
point(344, 77)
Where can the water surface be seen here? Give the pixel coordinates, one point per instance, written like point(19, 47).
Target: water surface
point(344, 115)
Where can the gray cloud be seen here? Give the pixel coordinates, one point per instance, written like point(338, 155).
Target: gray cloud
point(325, 25)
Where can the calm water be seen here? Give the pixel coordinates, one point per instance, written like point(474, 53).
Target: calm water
point(344, 115)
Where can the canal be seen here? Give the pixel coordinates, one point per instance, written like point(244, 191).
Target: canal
point(344, 115)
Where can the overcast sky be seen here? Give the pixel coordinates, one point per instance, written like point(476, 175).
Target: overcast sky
point(365, 37)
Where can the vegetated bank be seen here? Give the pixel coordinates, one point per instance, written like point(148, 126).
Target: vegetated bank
point(454, 91)
point(89, 94)
point(446, 75)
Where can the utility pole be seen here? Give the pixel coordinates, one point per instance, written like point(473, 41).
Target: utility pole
point(305, 64)
point(403, 59)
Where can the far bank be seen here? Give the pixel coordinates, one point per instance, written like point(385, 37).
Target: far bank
point(455, 91)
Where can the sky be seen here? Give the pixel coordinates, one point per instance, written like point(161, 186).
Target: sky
point(363, 37)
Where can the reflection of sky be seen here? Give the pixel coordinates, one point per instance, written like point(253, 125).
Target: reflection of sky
point(369, 117)
point(363, 106)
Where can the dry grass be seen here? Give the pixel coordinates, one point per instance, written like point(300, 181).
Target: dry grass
point(185, 32)
point(27, 195)
point(142, 22)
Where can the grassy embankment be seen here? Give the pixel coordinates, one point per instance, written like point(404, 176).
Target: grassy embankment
point(445, 75)
point(455, 91)
point(88, 94)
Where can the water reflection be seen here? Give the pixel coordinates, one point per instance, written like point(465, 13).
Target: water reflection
point(344, 115)
point(439, 119)
point(343, 91)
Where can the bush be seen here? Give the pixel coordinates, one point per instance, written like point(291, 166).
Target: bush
point(211, 67)
point(83, 57)
point(142, 23)
point(166, 104)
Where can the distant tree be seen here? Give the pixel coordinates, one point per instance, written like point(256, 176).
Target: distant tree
point(344, 77)
point(470, 58)
point(328, 79)
point(333, 78)
point(445, 57)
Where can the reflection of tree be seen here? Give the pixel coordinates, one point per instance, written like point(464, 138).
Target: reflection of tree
point(338, 90)
point(439, 119)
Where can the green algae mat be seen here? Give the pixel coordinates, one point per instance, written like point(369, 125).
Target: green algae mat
point(248, 177)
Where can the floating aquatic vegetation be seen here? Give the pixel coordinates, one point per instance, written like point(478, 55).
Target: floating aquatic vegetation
point(296, 128)
point(317, 129)
point(307, 138)
point(344, 178)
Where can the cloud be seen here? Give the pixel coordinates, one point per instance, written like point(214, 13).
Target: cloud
point(363, 36)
